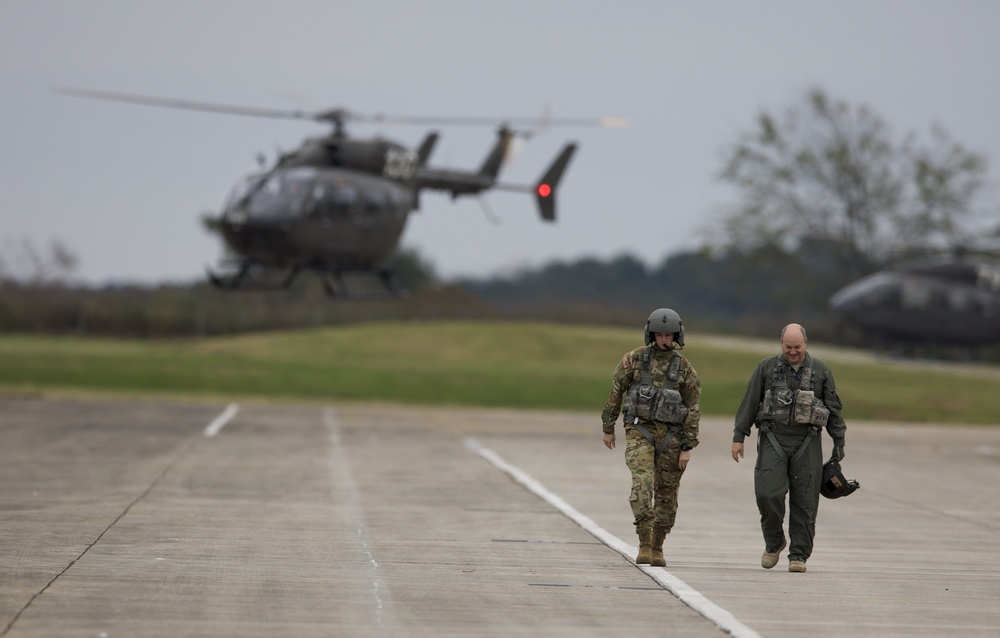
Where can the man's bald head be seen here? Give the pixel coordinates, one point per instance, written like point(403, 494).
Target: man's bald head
point(793, 343)
point(795, 327)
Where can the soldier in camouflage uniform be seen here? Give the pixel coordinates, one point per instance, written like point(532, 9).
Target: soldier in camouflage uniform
point(791, 397)
point(659, 394)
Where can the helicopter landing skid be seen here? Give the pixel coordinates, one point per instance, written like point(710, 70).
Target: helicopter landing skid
point(353, 285)
point(248, 278)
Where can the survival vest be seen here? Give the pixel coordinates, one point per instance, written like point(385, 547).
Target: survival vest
point(799, 405)
point(646, 402)
point(663, 404)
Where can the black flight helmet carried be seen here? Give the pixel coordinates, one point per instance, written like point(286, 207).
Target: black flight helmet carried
point(664, 320)
point(834, 484)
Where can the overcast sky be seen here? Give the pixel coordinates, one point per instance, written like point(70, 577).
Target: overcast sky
point(123, 186)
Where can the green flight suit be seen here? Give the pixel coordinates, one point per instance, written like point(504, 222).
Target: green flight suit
point(780, 473)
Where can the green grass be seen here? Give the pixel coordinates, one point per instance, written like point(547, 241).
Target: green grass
point(515, 365)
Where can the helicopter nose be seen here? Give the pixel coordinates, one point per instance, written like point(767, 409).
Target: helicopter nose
point(858, 297)
point(235, 217)
point(844, 300)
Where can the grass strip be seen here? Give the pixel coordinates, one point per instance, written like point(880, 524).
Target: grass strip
point(467, 363)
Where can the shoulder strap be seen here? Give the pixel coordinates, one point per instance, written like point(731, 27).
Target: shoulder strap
point(778, 374)
point(646, 378)
point(673, 371)
point(806, 375)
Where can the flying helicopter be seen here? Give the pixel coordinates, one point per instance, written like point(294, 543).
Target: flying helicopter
point(952, 301)
point(337, 205)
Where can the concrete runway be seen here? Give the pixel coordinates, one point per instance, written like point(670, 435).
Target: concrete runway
point(162, 519)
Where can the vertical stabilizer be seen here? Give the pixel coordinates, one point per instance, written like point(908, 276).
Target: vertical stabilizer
point(545, 190)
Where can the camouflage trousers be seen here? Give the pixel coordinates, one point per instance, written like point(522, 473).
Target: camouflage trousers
point(655, 478)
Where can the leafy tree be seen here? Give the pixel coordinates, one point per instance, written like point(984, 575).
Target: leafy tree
point(413, 272)
point(833, 172)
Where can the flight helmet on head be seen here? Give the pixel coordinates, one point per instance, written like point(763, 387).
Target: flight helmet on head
point(664, 320)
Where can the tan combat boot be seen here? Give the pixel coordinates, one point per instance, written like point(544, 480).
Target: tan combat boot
point(770, 559)
point(645, 546)
point(657, 560)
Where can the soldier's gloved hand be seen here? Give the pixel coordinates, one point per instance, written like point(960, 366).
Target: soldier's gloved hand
point(838, 453)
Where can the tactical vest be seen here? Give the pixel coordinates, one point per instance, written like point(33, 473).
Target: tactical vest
point(663, 404)
point(785, 405)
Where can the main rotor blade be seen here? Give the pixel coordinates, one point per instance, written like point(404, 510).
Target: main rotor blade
point(337, 115)
point(191, 105)
point(603, 122)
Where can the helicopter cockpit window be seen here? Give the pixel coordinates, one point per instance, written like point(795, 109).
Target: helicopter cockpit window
point(315, 203)
point(342, 198)
point(958, 300)
point(915, 296)
point(240, 190)
point(374, 200)
point(988, 277)
point(966, 301)
point(283, 193)
point(398, 203)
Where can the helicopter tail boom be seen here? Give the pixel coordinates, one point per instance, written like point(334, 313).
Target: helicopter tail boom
point(461, 182)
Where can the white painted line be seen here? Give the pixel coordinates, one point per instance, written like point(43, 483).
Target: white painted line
point(220, 421)
point(723, 619)
point(347, 491)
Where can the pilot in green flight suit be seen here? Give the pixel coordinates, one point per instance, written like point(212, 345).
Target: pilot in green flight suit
point(791, 397)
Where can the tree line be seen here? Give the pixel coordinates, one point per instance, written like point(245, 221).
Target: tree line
point(737, 292)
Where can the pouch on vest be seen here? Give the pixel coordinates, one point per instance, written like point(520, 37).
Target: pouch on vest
point(809, 410)
point(820, 413)
point(776, 406)
point(669, 407)
point(639, 402)
point(803, 406)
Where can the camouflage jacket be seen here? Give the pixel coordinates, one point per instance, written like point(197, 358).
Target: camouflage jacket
point(687, 384)
point(762, 380)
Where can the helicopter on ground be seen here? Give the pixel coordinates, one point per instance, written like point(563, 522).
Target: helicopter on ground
point(952, 301)
point(337, 205)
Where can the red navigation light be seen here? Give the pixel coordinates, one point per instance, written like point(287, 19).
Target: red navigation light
point(544, 190)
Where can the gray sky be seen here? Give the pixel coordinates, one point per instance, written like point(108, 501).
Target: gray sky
point(123, 186)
